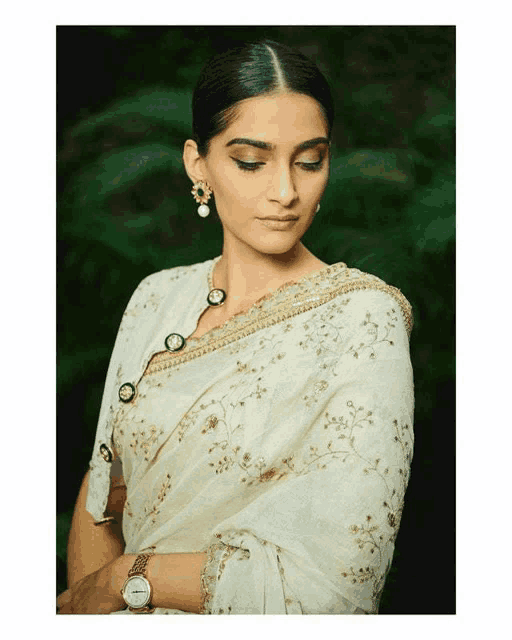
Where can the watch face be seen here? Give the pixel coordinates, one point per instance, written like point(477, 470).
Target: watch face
point(136, 592)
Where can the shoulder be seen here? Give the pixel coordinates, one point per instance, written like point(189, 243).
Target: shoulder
point(371, 293)
point(168, 277)
point(155, 289)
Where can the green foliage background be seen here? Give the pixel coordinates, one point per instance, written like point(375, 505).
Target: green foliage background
point(125, 210)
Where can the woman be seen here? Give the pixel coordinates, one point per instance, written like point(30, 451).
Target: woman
point(255, 436)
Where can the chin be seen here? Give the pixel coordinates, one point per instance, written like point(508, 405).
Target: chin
point(276, 247)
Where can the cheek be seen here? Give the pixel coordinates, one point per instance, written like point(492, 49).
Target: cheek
point(237, 187)
point(312, 188)
point(321, 184)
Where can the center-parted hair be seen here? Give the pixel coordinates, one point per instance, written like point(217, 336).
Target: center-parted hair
point(249, 71)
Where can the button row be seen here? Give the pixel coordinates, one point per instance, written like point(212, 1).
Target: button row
point(174, 342)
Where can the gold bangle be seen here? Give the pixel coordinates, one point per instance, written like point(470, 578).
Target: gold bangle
point(105, 520)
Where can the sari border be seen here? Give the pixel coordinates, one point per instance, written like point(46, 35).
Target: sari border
point(208, 576)
point(306, 301)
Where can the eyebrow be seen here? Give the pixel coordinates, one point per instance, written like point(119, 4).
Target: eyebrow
point(259, 144)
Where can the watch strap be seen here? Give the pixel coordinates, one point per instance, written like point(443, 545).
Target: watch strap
point(140, 564)
point(139, 569)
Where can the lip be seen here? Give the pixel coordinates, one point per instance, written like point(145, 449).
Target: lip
point(278, 224)
point(281, 218)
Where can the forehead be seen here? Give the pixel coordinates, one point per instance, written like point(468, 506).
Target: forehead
point(282, 119)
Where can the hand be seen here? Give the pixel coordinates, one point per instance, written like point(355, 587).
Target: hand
point(95, 593)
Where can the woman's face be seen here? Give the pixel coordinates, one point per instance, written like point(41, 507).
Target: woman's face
point(271, 163)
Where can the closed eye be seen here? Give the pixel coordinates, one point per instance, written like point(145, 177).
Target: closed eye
point(254, 166)
point(247, 166)
point(311, 166)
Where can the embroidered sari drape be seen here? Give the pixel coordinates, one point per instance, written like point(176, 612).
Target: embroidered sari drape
point(280, 443)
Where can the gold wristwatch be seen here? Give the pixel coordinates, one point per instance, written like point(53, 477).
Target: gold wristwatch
point(136, 590)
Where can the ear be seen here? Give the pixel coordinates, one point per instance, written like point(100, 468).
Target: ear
point(194, 163)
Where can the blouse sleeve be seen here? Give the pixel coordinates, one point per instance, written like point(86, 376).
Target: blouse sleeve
point(99, 466)
point(321, 540)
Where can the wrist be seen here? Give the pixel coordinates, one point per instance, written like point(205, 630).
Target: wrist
point(119, 569)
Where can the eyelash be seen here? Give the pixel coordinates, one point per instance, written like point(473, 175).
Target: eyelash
point(254, 166)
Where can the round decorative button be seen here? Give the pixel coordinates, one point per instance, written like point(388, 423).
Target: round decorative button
point(216, 297)
point(126, 392)
point(174, 342)
point(106, 453)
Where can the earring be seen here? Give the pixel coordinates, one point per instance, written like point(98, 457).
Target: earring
point(202, 192)
point(317, 208)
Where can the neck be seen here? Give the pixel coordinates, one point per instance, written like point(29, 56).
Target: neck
point(248, 275)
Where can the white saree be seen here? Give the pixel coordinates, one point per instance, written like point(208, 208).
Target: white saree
point(279, 443)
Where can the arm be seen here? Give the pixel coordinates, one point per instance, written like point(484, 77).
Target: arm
point(90, 546)
point(175, 578)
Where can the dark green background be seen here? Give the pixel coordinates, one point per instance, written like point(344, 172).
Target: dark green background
point(125, 210)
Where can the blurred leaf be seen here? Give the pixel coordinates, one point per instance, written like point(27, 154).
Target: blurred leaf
point(441, 194)
point(432, 214)
point(166, 106)
point(442, 120)
point(130, 165)
point(439, 126)
point(139, 222)
point(114, 172)
point(369, 164)
point(438, 233)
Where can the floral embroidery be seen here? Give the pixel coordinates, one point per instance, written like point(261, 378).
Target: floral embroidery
point(318, 388)
point(376, 334)
point(321, 386)
point(369, 532)
point(317, 458)
point(327, 285)
point(211, 422)
point(320, 456)
point(143, 441)
point(155, 510)
point(366, 532)
point(189, 420)
point(364, 575)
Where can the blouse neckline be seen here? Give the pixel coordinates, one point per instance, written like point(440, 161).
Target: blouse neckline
point(289, 299)
point(313, 275)
point(310, 284)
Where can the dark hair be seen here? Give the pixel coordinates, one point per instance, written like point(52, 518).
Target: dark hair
point(248, 71)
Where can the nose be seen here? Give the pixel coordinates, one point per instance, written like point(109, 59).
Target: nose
point(283, 188)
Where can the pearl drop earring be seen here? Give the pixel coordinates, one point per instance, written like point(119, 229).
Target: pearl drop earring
point(202, 192)
point(317, 208)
